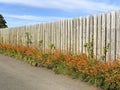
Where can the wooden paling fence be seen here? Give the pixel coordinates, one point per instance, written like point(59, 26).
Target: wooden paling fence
point(72, 34)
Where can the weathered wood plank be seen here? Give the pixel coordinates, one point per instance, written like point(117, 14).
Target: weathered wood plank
point(91, 33)
point(61, 36)
point(81, 35)
point(95, 40)
point(84, 34)
point(113, 35)
point(99, 51)
point(118, 34)
point(108, 36)
point(87, 31)
point(69, 34)
point(74, 35)
point(103, 36)
point(43, 28)
point(65, 36)
point(63, 33)
point(77, 36)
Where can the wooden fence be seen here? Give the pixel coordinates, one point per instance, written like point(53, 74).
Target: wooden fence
point(72, 34)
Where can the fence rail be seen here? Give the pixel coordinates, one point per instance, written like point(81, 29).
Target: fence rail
point(72, 34)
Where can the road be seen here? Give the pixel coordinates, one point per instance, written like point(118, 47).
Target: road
point(18, 75)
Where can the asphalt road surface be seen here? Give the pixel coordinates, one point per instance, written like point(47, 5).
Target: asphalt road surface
point(18, 75)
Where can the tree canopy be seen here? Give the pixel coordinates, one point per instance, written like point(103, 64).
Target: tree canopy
point(2, 22)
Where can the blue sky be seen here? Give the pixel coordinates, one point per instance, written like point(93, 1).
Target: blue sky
point(22, 12)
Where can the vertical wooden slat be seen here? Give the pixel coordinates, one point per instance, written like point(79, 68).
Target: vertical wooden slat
point(77, 35)
point(23, 35)
point(49, 34)
point(66, 24)
point(46, 34)
point(36, 36)
point(31, 33)
point(113, 36)
point(56, 24)
point(69, 35)
point(65, 35)
point(118, 35)
point(18, 30)
point(81, 35)
point(91, 21)
point(53, 33)
point(72, 36)
point(18, 34)
point(57, 35)
point(70, 24)
point(74, 29)
point(61, 35)
point(108, 36)
point(103, 36)
point(99, 49)
point(84, 34)
point(2, 35)
point(10, 36)
point(87, 31)
point(95, 44)
point(51, 30)
point(43, 28)
point(41, 36)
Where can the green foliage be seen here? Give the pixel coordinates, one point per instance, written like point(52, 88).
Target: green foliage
point(40, 44)
point(51, 46)
point(2, 22)
point(28, 39)
point(105, 49)
point(89, 47)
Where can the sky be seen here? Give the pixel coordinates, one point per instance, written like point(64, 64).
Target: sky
point(25, 12)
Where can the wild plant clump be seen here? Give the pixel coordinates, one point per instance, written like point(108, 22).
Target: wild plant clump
point(102, 74)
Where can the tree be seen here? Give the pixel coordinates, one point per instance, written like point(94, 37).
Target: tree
point(2, 22)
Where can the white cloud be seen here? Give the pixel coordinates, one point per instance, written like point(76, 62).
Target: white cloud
point(67, 5)
point(33, 18)
point(17, 20)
